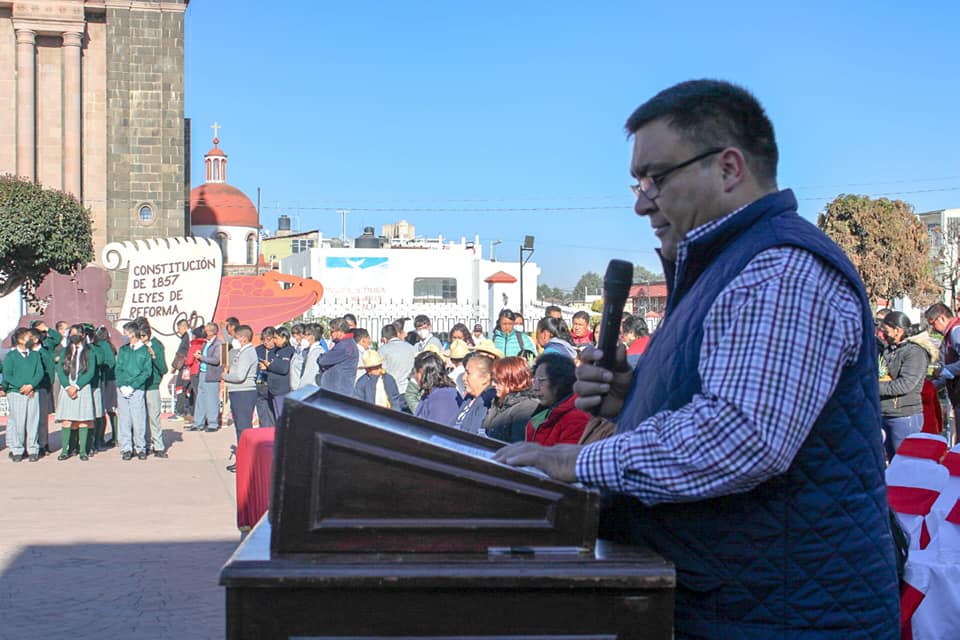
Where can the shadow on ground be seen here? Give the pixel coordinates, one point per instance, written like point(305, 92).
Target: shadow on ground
point(117, 591)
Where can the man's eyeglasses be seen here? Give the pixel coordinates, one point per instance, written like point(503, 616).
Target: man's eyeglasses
point(650, 186)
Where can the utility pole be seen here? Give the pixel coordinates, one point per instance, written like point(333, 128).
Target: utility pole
point(343, 225)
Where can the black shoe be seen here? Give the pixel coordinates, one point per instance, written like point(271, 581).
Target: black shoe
point(212, 429)
point(142, 455)
point(160, 454)
point(63, 456)
point(232, 468)
point(192, 427)
point(126, 455)
point(84, 457)
point(33, 457)
point(10, 454)
point(17, 457)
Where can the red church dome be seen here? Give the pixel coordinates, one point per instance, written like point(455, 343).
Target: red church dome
point(219, 204)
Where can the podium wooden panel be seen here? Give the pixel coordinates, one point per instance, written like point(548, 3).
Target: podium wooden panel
point(382, 525)
point(615, 592)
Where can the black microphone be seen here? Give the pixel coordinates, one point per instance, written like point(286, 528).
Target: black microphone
point(616, 287)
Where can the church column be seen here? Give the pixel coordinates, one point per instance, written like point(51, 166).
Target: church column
point(72, 126)
point(26, 104)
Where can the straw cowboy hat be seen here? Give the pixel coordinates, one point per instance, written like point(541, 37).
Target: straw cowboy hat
point(371, 359)
point(458, 350)
point(487, 347)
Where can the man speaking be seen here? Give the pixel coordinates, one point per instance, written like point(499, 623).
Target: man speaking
point(747, 448)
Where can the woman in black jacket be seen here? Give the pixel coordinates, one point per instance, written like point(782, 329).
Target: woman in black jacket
point(907, 357)
point(516, 401)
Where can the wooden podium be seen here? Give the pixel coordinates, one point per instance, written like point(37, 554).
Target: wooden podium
point(382, 525)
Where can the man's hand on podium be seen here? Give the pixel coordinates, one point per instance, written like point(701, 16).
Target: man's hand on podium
point(558, 462)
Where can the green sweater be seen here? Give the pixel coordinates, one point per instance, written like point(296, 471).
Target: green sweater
point(85, 377)
point(46, 358)
point(19, 370)
point(159, 366)
point(133, 367)
point(108, 362)
point(53, 340)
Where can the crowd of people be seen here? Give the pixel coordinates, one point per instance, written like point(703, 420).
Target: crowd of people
point(511, 386)
point(76, 373)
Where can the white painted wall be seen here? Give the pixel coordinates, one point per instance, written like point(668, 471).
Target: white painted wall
point(236, 240)
point(379, 283)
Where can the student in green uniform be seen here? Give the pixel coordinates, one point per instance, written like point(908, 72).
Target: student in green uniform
point(133, 369)
point(108, 387)
point(22, 372)
point(152, 396)
point(46, 339)
point(75, 409)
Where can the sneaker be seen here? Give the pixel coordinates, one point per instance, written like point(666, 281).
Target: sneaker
point(142, 455)
point(84, 457)
point(127, 455)
point(63, 456)
point(34, 457)
point(17, 457)
point(160, 454)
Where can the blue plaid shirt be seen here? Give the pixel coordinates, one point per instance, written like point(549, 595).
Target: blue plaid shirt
point(774, 344)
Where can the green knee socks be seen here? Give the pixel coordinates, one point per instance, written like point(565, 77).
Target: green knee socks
point(65, 440)
point(83, 439)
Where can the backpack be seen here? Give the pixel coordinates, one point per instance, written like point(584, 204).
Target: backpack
point(525, 353)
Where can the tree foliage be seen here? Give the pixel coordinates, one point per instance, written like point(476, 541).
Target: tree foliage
point(589, 283)
point(551, 294)
point(41, 230)
point(887, 244)
point(642, 274)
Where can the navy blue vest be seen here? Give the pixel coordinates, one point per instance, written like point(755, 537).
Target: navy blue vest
point(808, 553)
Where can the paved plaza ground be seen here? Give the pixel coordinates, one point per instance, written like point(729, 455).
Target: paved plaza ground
point(113, 549)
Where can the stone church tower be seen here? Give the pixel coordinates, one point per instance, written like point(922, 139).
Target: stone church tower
point(91, 102)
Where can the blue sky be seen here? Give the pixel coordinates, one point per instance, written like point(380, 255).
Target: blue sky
point(517, 108)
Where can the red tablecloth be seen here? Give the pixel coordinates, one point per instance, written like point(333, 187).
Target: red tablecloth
point(254, 468)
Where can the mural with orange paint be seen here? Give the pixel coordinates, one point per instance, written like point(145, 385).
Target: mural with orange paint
point(266, 300)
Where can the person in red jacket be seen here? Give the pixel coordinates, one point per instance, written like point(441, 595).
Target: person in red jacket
point(191, 369)
point(556, 420)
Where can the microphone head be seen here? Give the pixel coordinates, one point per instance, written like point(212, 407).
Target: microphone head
point(619, 274)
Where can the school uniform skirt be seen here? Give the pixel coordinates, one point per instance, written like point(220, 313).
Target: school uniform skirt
point(79, 409)
point(97, 403)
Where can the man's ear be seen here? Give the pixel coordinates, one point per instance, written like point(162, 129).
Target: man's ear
point(733, 168)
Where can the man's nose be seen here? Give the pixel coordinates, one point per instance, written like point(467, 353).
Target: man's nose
point(644, 206)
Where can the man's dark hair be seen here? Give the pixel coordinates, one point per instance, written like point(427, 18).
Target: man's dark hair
point(244, 330)
point(267, 332)
point(583, 315)
point(314, 330)
point(552, 309)
point(339, 324)
point(232, 323)
point(349, 317)
point(714, 113)
point(389, 332)
point(635, 325)
point(297, 328)
point(936, 310)
point(359, 334)
point(196, 333)
point(421, 321)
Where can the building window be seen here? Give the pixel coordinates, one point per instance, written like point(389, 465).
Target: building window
point(221, 239)
point(145, 213)
point(251, 249)
point(434, 289)
point(299, 245)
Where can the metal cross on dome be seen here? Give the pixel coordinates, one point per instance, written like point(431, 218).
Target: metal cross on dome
point(216, 129)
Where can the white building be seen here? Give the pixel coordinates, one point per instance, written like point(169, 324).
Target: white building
point(382, 280)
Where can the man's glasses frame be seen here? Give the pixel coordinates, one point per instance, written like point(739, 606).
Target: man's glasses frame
point(649, 186)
